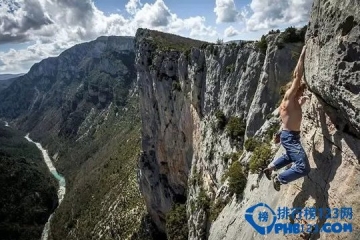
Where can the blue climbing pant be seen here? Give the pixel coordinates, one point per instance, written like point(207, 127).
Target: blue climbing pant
point(295, 154)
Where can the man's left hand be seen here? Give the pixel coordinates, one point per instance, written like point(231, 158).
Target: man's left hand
point(303, 99)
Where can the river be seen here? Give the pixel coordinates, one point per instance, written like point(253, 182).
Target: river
point(59, 178)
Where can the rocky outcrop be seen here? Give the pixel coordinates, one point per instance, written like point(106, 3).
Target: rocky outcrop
point(333, 69)
point(206, 87)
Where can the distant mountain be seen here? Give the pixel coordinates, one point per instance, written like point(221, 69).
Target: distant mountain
point(9, 76)
point(237, 41)
point(7, 79)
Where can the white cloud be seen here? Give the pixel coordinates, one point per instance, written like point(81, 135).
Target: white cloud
point(132, 6)
point(153, 15)
point(230, 32)
point(266, 14)
point(79, 21)
point(225, 11)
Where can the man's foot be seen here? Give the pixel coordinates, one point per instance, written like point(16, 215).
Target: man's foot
point(267, 172)
point(276, 183)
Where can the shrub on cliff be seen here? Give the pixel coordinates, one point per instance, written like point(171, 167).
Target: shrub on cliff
point(176, 86)
point(271, 131)
point(203, 201)
point(221, 119)
point(235, 128)
point(219, 41)
point(176, 223)
point(230, 68)
point(292, 35)
point(233, 156)
point(237, 178)
point(216, 208)
point(262, 44)
point(260, 158)
point(251, 143)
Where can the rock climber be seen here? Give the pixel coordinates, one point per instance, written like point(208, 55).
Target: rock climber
point(291, 115)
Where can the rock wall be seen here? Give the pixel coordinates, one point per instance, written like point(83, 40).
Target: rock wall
point(179, 95)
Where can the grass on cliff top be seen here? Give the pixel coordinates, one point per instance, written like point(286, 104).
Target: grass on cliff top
point(168, 41)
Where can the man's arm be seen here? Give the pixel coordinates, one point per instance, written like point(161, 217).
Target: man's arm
point(298, 72)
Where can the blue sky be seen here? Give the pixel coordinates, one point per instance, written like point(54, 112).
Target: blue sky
point(57, 25)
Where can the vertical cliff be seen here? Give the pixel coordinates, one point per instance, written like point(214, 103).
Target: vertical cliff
point(181, 89)
point(208, 113)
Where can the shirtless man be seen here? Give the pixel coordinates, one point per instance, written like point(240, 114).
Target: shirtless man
point(291, 115)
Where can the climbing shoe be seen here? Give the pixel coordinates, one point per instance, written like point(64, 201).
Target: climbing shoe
point(267, 173)
point(276, 183)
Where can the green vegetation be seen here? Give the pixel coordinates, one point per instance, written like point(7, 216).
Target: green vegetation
point(262, 44)
point(187, 54)
point(269, 116)
point(233, 46)
point(235, 128)
point(251, 143)
point(230, 68)
point(274, 128)
point(176, 86)
point(176, 223)
point(105, 166)
point(260, 158)
point(272, 31)
point(203, 201)
point(219, 41)
point(291, 35)
point(233, 156)
point(196, 177)
point(216, 208)
point(280, 44)
point(237, 178)
point(28, 191)
point(214, 50)
point(172, 42)
point(221, 119)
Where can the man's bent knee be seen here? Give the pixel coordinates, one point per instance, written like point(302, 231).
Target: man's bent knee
point(304, 171)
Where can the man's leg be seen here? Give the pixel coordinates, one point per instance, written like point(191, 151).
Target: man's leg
point(300, 168)
point(279, 163)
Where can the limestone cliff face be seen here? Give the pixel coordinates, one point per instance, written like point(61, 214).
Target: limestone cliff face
point(179, 95)
point(184, 149)
point(333, 69)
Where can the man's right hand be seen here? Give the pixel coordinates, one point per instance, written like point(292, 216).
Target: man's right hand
point(276, 137)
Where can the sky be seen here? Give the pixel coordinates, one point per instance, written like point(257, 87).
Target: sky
point(31, 30)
